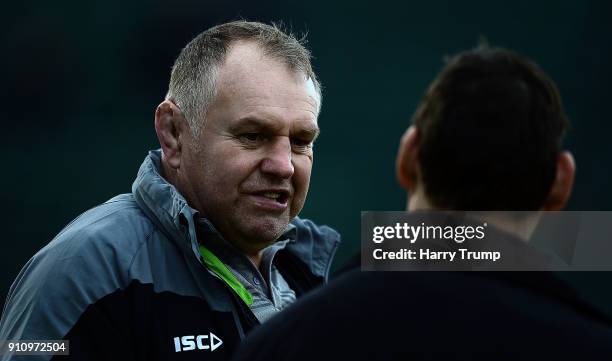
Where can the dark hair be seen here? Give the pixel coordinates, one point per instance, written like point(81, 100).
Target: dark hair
point(491, 126)
point(193, 78)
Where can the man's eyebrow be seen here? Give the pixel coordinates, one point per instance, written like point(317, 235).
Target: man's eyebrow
point(253, 122)
point(309, 132)
point(250, 122)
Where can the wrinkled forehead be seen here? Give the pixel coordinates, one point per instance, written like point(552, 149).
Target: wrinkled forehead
point(248, 74)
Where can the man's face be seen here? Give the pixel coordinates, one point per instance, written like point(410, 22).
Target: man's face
point(248, 172)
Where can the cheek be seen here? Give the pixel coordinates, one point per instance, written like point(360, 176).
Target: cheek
point(217, 174)
point(301, 181)
point(230, 170)
point(301, 176)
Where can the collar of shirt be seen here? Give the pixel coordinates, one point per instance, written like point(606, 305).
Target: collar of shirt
point(237, 262)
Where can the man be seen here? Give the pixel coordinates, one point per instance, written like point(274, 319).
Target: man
point(487, 136)
point(208, 244)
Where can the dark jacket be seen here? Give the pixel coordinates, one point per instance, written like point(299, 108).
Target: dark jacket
point(436, 315)
point(125, 280)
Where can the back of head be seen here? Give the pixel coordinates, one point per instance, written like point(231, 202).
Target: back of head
point(491, 126)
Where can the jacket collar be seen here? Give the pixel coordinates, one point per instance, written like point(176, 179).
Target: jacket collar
point(154, 192)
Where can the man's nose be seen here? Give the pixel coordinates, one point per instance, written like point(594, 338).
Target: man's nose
point(277, 161)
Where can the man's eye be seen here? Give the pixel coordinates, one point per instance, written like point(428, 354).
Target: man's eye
point(251, 137)
point(301, 143)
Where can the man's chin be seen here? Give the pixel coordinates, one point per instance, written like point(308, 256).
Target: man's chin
point(263, 232)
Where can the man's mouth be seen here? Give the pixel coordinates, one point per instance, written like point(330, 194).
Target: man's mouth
point(274, 199)
point(280, 197)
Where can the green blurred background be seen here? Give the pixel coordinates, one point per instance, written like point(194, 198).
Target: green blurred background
point(81, 81)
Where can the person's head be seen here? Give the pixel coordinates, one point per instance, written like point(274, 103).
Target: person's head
point(237, 129)
point(487, 136)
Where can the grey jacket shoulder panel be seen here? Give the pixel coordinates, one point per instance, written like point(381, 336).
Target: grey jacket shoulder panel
point(90, 258)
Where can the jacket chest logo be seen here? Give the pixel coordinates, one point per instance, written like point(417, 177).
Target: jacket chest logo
point(197, 342)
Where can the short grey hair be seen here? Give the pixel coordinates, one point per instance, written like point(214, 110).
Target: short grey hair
point(194, 73)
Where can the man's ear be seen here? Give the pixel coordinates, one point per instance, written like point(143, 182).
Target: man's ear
point(170, 126)
point(406, 164)
point(562, 185)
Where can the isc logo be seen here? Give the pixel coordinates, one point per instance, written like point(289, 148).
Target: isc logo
point(201, 342)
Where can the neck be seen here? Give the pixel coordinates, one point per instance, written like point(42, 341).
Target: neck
point(521, 226)
point(255, 258)
point(417, 201)
point(167, 172)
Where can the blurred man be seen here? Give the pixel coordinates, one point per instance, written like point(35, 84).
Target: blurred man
point(208, 244)
point(487, 136)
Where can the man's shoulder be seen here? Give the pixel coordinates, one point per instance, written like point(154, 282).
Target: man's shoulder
point(87, 260)
point(102, 241)
point(395, 309)
point(108, 235)
point(116, 224)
